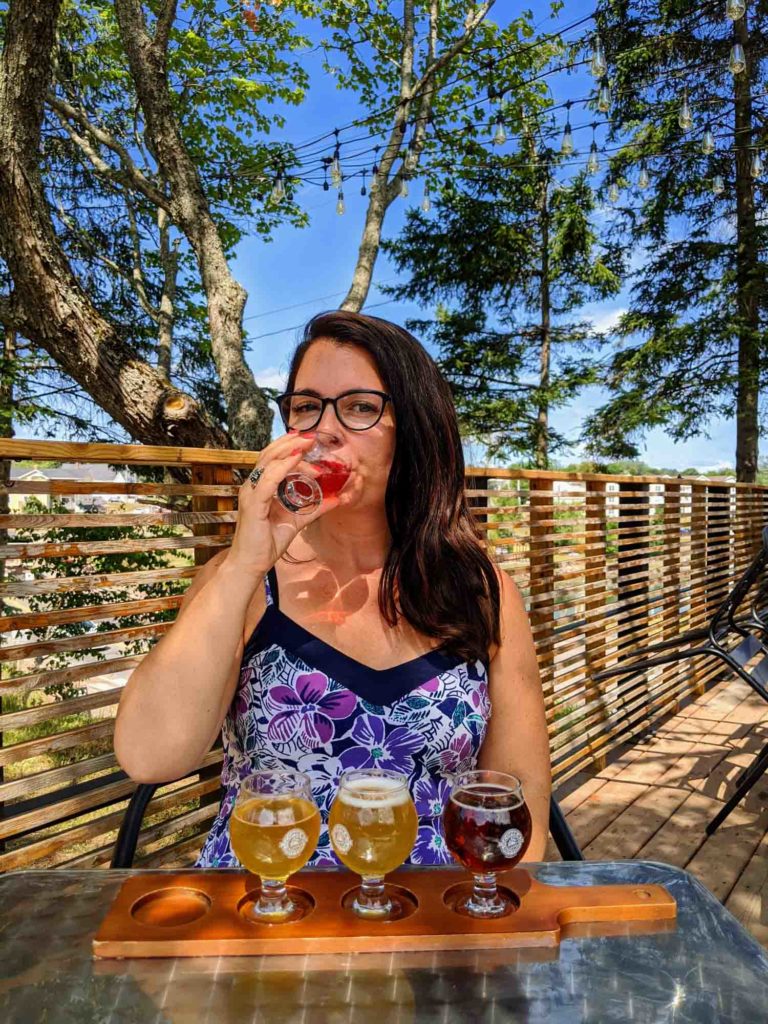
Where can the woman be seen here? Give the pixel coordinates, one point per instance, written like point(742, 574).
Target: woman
point(373, 631)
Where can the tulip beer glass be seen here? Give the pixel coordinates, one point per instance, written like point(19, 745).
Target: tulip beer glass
point(274, 830)
point(373, 825)
point(487, 829)
point(301, 492)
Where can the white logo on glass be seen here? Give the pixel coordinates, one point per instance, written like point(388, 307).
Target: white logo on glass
point(511, 842)
point(342, 840)
point(293, 842)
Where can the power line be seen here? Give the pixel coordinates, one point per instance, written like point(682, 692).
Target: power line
point(309, 302)
point(297, 327)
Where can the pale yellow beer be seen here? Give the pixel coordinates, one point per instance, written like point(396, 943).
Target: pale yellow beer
point(274, 835)
point(373, 823)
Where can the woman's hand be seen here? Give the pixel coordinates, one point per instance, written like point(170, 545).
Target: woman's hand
point(265, 529)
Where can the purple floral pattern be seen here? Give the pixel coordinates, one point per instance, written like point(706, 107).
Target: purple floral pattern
point(287, 714)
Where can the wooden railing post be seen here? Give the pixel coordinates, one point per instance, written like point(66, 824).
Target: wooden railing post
point(207, 473)
point(718, 545)
point(633, 576)
point(596, 639)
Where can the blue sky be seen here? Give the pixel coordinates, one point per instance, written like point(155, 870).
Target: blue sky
point(302, 272)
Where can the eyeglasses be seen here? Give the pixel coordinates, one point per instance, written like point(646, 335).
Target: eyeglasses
point(355, 410)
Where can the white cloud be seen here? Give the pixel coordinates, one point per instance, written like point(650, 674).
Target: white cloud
point(606, 321)
point(271, 377)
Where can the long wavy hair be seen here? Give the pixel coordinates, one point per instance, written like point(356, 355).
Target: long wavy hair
point(438, 573)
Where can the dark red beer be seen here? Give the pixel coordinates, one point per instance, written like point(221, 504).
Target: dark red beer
point(487, 827)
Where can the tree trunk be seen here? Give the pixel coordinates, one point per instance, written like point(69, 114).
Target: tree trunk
point(542, 419)
point(747, 272)
point(383, 191)
point(248, 413)
point(47, 304)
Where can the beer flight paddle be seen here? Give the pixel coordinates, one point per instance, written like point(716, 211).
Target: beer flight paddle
point(372, 824)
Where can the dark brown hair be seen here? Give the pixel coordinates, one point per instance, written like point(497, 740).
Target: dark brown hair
point(438, 574)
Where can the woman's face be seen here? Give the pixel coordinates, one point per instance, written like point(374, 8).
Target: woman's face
point(330, 369)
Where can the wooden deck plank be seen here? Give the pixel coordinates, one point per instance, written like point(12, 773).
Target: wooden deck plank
point(654, 799)
point(748, 901)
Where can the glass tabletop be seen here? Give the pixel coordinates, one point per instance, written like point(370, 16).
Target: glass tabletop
point(702, 969)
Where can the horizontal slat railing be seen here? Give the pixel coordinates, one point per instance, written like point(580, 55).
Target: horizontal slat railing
point(93, 573)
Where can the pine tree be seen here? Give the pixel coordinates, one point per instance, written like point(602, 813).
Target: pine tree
point(692, 342)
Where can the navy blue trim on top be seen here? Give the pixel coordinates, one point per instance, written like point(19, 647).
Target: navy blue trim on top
point(377, 686)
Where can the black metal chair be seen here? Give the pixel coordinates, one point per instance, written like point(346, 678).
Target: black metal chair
point(128, 836)
point(737, 634)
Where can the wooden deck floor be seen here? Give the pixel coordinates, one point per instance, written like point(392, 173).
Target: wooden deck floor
point(654, 799)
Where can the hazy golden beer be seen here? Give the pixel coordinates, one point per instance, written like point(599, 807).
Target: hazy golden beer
point(274, 835)
point(373, 822)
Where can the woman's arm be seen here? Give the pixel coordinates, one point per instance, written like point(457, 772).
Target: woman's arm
point(173, 705)
point(517, 741)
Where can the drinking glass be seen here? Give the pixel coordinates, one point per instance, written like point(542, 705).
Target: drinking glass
point(487, 829)
point(274, 829)
point(373, 825)
point(301, 491)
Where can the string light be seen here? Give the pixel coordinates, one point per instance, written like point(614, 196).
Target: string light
point(403, 187)
point(708, 142)
point(336, 176)
point(613, 193)
point(566, 146)
point(604, 96)
point(500, 135)
point(644, 178)
point(593, 163)
point(737, 62)
point(277, 195)
point(756, 165)
point(340, 205)
point(718, 185)
point(363, 190)
point(426, 202)
point(598, 65)
point(685, 117)
point(734, 9)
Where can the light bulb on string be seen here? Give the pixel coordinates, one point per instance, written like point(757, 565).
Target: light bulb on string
point(604, 97)
point(340, 205)
point(598, 65)
point(336, 175)
point(277, 195)
point(756, 165)
point(593, 163)
point(644, 178)
point(500, 135)
point(735, 9)
point(403, 187)
point(363, 190)
point(708, 142)
point(718, 185)
point(613, 193)
point(566, 146)
point(737, 62)
point(426, 202)
point(685, 117)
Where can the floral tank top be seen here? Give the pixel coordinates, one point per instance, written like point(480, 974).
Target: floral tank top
point(303, 705)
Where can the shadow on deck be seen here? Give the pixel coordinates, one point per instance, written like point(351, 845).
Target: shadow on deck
point(653, 800)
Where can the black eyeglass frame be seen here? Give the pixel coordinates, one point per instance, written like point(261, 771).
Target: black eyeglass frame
point(332, 401)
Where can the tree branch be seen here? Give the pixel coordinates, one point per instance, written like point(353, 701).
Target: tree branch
point(471, 25)
point(164, 24)
point(129, 175)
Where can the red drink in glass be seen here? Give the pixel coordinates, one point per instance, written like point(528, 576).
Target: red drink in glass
point(483, 831)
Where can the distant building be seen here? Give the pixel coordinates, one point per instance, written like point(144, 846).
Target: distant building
point(86, 474)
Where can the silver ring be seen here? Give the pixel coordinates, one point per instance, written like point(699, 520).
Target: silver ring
point(255, 475)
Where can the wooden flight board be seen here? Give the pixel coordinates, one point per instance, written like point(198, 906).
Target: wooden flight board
point(203, 913)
